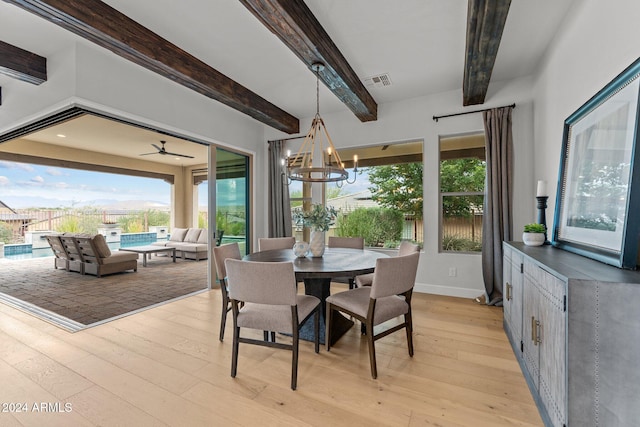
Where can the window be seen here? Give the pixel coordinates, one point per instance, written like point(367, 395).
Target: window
point(300, 197)
point(384, 205)
point(232, 198)
point(462, 180)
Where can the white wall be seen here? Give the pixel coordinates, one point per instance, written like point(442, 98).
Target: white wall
point(596, 43)
point(412, 119)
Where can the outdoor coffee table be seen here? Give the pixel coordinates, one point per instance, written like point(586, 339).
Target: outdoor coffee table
point(150, 249)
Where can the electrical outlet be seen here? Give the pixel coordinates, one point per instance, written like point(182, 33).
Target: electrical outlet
point(452, 272)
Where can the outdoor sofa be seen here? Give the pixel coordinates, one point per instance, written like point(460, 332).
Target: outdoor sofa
point(89, 254)
point(191, 243)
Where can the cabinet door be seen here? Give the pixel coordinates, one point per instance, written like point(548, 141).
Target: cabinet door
point(516, 295)
point(530, 317)
point(507, 301)
point(552, 388)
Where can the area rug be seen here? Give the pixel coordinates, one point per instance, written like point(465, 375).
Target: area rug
point(74, 301)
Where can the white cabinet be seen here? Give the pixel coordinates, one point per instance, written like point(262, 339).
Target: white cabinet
point(574, 326)
point(512, 277)
point(543, 340)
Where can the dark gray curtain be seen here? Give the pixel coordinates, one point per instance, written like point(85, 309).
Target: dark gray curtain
point(279, 204)
point(497, 223)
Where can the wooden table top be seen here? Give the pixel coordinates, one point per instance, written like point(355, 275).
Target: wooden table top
point(336, 262)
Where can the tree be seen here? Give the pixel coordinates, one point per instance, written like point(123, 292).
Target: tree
point(398, 187)
point(462, 176)
point(376, 225)
point(6, 232)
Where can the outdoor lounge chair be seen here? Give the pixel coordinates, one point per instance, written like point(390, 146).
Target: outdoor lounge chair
point(74, 259)
point(98, 260)
point(61, 259)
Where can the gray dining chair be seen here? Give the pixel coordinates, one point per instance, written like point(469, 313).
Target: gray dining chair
point(346, 242)
point(220, 255)
point(389, 296)
point(271, 243)
point(263, 296)
point(405, 248)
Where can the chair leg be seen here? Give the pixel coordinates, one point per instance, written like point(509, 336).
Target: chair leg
point(372, 350)
point(409, 328)
point(295, 346)
point(234, 355)
point(223, 319)
point(352, 283)
point(316, 326)
point(327, 326)
point(294, 367)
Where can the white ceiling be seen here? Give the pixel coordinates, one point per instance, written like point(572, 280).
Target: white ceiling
point(419, 43)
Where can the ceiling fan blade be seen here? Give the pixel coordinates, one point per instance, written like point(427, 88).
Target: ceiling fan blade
point(179, 155)
point(147, 154)
point(158, 148)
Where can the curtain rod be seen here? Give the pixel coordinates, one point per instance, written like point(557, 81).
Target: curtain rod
point(470, 112)
point(287, 139)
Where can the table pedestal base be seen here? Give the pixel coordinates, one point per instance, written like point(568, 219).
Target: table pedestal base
point(319, 288)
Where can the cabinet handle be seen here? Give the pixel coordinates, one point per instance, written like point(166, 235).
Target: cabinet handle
point(509, 291)
point(535, 335)
point(533, 330)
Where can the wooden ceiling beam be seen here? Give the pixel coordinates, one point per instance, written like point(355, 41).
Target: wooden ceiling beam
point(296, 26)
point(22, 64)
point(485, 23)
point(100, 23)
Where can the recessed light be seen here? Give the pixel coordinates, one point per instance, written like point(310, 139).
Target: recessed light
point(61, 135)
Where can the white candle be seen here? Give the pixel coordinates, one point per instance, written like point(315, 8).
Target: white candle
point(542, 189)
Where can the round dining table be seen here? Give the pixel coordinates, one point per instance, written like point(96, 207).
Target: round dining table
point(317, 273)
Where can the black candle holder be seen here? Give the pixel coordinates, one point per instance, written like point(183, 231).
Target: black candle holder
point(542, 216)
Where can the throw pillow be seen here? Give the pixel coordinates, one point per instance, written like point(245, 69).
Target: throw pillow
point(204, 236)
point(177, 234)
point(101, 246)
point(192, 235)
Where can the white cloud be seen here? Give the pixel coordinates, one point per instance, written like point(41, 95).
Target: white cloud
point(4, 180)
point(55, 172)
point(61, 185)
point(38, 179)
point(13, 165)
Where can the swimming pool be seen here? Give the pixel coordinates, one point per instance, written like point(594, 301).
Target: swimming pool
point(26, 251)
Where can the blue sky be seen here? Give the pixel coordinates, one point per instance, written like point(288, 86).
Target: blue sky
point(25, 185)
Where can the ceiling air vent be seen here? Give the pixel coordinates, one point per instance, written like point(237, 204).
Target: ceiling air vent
point(379, 80)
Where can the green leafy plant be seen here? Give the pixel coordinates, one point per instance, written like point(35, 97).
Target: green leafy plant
point(453, 242)
point(319, 218)
point(535, 228)
point(376, 225)
point(6, 233)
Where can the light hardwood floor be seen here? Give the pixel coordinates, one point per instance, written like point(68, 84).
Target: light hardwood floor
point(165, 366)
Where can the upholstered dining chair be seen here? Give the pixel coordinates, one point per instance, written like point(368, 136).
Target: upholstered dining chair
point(267, 292)
point(346, 242)
point(220, 255)
point(405, 248)
point(389, 296)
point(271, 243)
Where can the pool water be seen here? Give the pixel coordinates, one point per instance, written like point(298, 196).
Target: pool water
point(47, 252)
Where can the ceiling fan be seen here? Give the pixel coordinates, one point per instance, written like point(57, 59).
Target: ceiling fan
point(161, 150)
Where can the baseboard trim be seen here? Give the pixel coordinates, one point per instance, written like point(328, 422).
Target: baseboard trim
point(451, 291)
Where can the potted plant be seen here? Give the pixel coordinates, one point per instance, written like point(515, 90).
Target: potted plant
point(319, 218)
point(534, 234)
